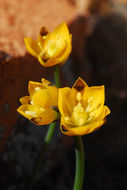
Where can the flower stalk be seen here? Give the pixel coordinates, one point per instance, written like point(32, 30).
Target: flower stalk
point(57, 76)
point(79, 175)
point(47, 140)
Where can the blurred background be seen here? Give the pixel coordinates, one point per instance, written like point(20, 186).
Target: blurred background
point(99, 56)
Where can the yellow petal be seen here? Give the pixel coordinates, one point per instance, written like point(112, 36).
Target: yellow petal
point(32, 86)
point(45, 82)
point(93, 99)
point(25, 100)
point(32, 46)
point(66, 101)
point(67, 51)
point(105, 111)
point(46, 118)
point(61, 33)
point(49, 62)
point(54, 94)
point(83, 130)
point(59, 37)
point(42, 99)
point(29, 111)
point(37, 116)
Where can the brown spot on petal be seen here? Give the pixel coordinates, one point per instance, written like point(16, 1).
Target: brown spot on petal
point(79, 84)
point(63, 129)
point(79, 88)
point(43, 31)
point(45, 58)
point(34, 121)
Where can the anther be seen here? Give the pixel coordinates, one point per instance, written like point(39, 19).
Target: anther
point(37, 88)
point(31, 113)
point(79, 97)
point(90, 100)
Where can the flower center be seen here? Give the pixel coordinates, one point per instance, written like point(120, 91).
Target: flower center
point(79, 115)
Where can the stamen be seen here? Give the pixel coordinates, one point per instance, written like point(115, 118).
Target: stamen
point(78, 108)
point(31, 102)
point(31, 113)
point(90, 100)
point(67, 118)
point(79, 97)
point(88, 107)
point(79, 115)
point(44, 37)
point(92, 114)
point(37, 88)
point(52, 47)
point(81, 121)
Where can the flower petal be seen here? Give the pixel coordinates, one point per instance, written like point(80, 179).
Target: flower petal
point(49, 62)
point(105, 111)
point(37, 116)
point(93, 99)
point(32, 86)
point(45, 82)
point(53, 90)
point(84, 129)
point(25, 100)
point(29, 111)
point(32, 46)
point(46, 118)
point(42, 99)
point(66, 101)
point(60, 36)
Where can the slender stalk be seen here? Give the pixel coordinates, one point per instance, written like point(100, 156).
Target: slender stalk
point(79, 175)
point(47, 138)
point(57, 76)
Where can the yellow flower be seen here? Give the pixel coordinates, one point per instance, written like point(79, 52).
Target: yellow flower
point(82, 108)
point(51, 48)
point(38, 106)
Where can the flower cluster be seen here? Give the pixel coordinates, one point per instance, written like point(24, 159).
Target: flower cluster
point(81, 109)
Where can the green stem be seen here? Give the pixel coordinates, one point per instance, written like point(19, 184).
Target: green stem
point(79, 175)
point(47, 138)
point(57, 76)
